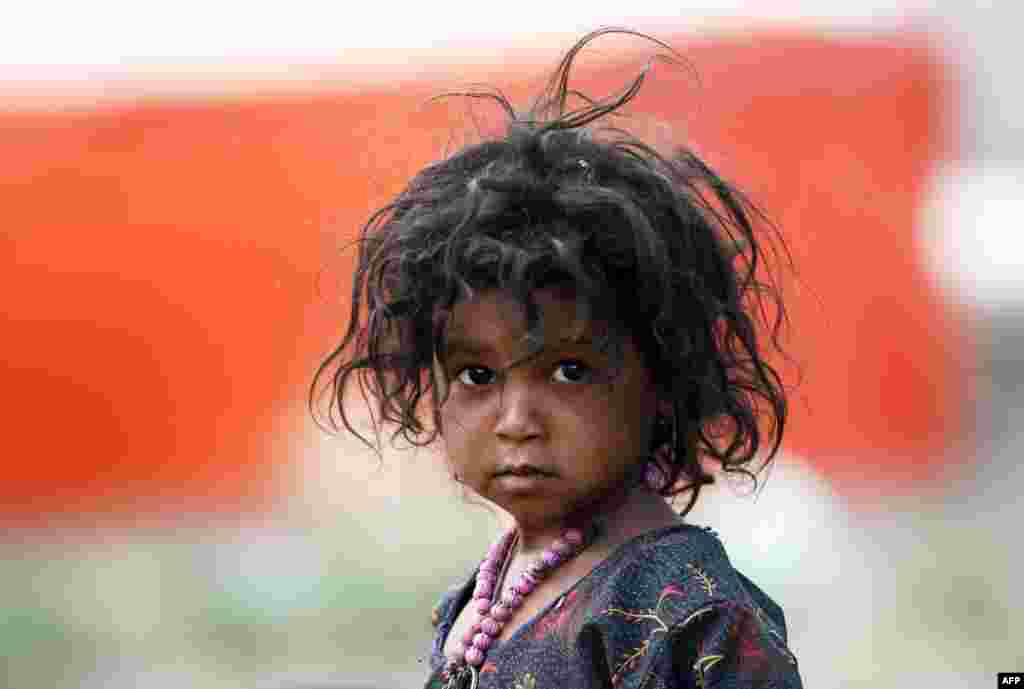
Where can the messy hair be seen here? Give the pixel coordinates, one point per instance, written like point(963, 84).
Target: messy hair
point(658, 246)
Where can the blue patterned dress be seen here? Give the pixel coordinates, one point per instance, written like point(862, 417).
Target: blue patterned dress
point(665, 611)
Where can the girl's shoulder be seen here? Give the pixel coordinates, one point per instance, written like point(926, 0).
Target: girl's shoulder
point(672, 599)
point(681, 559)
point(685, 565)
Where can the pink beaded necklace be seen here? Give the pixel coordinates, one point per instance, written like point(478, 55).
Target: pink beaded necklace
point(464, 671)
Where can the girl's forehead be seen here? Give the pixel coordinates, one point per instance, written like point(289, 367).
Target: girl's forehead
point(493, 313)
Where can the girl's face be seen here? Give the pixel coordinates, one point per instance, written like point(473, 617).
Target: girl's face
point(552, 434)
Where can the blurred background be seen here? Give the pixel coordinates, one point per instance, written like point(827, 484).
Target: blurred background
point(178, 182)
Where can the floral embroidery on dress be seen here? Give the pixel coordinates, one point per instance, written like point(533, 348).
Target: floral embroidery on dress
point(776, 637)
point(528, 681)
point(750, 651)
point(706, 582)
point(656, 615)
point(702, 665)
point(556, 617)
point(763, 648)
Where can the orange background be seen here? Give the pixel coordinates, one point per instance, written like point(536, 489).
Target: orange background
point(161, 263)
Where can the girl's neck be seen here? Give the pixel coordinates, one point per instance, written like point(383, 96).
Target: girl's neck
point(620, 517)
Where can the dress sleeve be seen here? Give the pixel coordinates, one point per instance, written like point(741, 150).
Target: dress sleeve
point(726, 645)
point(677, 615)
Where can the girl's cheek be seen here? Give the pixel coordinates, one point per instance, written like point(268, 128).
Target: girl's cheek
point(461, 415)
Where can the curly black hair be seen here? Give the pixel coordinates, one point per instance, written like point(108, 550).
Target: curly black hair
point(659, 246)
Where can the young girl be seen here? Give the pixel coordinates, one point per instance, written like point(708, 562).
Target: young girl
point(579, 314)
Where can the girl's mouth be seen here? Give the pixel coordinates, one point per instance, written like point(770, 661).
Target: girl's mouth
point(521, 480)
point(523, 470)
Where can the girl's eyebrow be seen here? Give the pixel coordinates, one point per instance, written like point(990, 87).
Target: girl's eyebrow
point(458, 344)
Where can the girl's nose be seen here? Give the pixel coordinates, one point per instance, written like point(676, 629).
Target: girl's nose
point(518, 412)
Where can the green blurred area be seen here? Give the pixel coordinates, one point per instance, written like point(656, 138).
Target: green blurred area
point(329, 593)
point(59, 626)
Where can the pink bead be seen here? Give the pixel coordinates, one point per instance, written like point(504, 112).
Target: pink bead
point(537, 571)
point(474, 656)
point(489, 566)
point(487, 577)
point(562, 547)
point(525, 585)
point(482, 641)
point(551, 558)
point(500, 612)
point(491, 627)
point(484, 589)
point(573, 536)
point(483, 605)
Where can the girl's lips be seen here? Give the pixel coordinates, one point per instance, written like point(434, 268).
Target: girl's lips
point(523, 483)
point(524, 470)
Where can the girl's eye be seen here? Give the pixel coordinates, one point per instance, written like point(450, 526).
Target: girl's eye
point(472, 376)
point(567, 371)
point(575, 371)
